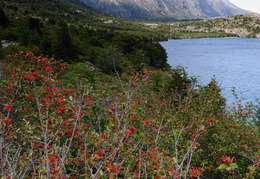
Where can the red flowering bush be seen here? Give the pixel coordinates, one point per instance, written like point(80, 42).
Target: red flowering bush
point(195, 172)
point(140, 131)
point(227, 160)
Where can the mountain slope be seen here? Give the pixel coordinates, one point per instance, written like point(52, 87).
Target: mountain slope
point(163, 10)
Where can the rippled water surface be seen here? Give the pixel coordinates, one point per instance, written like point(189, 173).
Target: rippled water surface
point(234, 62)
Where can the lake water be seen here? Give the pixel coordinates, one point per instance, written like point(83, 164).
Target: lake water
point(234, 62)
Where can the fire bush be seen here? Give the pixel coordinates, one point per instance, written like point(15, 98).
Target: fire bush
point(50, 131)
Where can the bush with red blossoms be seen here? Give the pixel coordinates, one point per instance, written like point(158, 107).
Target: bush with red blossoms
point(142, 130)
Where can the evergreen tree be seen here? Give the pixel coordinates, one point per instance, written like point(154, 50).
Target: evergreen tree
point(23, 31)
point(3, 19)
point(62, 45)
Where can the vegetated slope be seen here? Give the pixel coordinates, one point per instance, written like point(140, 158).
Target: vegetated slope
point(166, 10)
point(67, 10)
point(237, 26)
point(153, 124)
point(73, 11)
point(77, 34)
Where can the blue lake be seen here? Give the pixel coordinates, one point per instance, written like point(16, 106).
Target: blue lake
point(234, 62)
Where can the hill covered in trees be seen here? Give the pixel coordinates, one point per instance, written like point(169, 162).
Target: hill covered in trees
point(76, 36)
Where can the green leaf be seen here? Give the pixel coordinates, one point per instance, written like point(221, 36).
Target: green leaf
point(30, 153)
point(22, 164)
point(233, 165)
point(223, 166)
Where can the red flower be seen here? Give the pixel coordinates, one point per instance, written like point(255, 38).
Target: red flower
point(62, 66)
point(132, 130)
point(60, 109)
point(36, 59)
point(29, 54)
point(45, 59)
point(104, 136)
point(99, 154)
point(147, 71)
point(113, 169)
point(8, 121)
point(71, 91)
point(133, 78)
point(36, 73)
point(47, 89)
point(62, 101)
point(45, 78)
point(154, 158)
point(30, 97)
point(48, 68)
point(155, 164)
point(250, 112)
point(227, 160)
point(34, 146)
point(54, 158)
point(14, 73)
point(166, 152)
point(147, 122)
point(209, 169)
point(211, 120)
point(29, 76)
point(84, 152)
point(78, 160)
point(134, 117)
point(55, 171)
point(55, 89)
point(171, 168)
point(137, 175)
point(10, 90)
point(195, 171)
point(158, 177)
point(8, 107)
point(65, 123)
point(90, 103)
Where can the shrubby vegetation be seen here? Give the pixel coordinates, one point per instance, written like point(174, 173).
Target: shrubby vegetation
point(109, 106)
point(146, 128)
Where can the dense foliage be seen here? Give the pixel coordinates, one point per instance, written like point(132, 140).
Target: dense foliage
point(73, 41)
point(143, 130)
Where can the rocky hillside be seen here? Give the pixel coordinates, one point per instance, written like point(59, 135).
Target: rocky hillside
point(166, 10)
point(241, 26)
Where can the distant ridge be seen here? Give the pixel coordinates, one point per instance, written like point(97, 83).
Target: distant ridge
point(166, 10)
